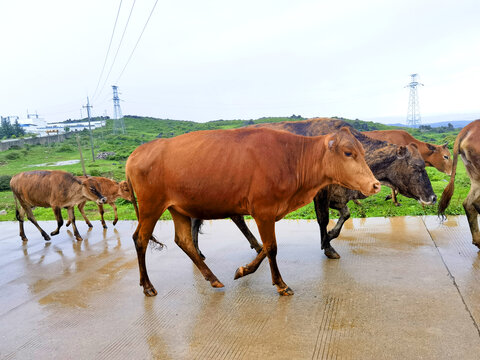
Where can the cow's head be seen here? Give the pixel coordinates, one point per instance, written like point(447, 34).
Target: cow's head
point(407, 173)
point(124, 191)
point(345, 163)
point(439, 157)
point(91, 190)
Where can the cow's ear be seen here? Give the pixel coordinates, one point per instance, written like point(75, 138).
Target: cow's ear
point(402, 151)
point(445, 146)
point(431, 147)
point(124, 186)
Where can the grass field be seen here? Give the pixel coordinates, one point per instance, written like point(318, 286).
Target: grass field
point(140, 130)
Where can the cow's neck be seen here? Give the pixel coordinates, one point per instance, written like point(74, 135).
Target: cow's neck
point(312, 164)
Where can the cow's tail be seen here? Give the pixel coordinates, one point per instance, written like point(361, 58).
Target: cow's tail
point(17, 212)
point(157, 244)
point(448, 191)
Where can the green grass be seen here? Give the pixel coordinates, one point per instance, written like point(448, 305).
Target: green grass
point(140, 130)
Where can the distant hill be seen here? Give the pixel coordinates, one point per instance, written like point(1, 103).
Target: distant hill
point(456, 124)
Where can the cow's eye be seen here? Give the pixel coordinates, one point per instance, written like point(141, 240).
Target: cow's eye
point(347, 153)
point(92, 188)
point(445, 157)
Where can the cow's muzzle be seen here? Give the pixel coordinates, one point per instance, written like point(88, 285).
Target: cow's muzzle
point(102, 200)
point(431, 201)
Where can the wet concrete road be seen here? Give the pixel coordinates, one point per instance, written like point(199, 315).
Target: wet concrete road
point(405, 288)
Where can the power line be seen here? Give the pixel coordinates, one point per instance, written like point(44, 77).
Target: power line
point(119, 45)
point(136, 44)
point(108, 51)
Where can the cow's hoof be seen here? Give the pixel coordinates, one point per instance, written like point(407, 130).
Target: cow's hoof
point(89, 225)
point(24, 238)
point(331, 253)
point(150, 292)
point(216, 284)
point(53, 233)
point(46, 237)
point(105, 226)
point(115, 222)
point(286, 292)
point(397, 204)
point(79, 238)
point(476, 244)
point(239, 273)
point(67, 224)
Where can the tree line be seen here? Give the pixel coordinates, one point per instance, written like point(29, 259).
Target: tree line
point(7, 130)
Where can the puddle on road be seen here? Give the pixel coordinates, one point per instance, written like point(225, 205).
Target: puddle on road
point(58, 163)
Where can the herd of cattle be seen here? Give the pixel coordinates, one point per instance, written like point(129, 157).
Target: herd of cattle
point(266, 171)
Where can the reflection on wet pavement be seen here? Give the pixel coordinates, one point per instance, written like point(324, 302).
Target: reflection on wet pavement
point(404, 287)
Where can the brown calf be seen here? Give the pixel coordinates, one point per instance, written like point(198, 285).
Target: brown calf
point(221, 173)
point(467, 144)
point(111, 190)
point(55, 189)
point(437, 156)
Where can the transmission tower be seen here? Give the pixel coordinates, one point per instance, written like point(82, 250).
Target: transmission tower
point(118, 124)
point(413, 116)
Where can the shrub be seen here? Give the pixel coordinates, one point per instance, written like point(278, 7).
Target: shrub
point(12, 155)
point(5, 182)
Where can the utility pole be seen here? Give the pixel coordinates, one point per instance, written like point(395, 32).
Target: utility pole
point(118, 124)
point(88, 106)
point(413, 116)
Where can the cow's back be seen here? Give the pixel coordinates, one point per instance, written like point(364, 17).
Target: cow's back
point(397, 137)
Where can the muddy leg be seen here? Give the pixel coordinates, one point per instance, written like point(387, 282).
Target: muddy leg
point(472, 207)
point(115, 220)
point(58, 215)
point(71, 218)
point(102, 211)
point(195, 229)
point(20, 215)
point(321, 202)
point(239, 220)
point(183, 238)
point(344, 216)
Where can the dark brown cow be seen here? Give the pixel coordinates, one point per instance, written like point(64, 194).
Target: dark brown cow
point(401, 167)
point(437, 156)
point(221, 173)
point(56, 189)
point(111, 190)
point(467, 145)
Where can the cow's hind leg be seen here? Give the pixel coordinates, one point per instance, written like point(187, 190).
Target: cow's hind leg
point(30, 217)
point(58, 215)
point(183, 238)
point(472, 209)
point(20, 215)
point(71, 218)
point(239, 220)
point(102, 211)
point(195, 229)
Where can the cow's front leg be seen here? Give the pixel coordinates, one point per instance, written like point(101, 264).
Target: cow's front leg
point(472, 209)
point(321, 202)
point(71, 217)
point(344, 216)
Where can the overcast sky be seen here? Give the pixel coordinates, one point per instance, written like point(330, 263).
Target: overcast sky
point(208, 60)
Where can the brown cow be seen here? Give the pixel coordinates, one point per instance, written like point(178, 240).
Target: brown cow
point(467, 144)
point(401, 167)
point(111, 190)
point(437, 156)
point(56, 189)
point(220, 173)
